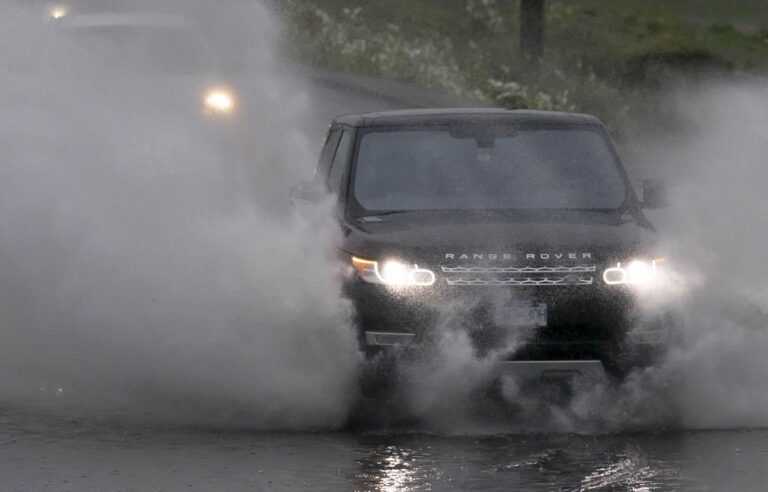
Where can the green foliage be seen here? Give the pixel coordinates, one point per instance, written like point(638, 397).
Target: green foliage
point(346, 41)
point(604, 58)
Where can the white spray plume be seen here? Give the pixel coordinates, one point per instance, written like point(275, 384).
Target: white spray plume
point(717, 229)
point(714, 235)
point(144, 265)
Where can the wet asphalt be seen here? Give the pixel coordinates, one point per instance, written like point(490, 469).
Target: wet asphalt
point(44, 452)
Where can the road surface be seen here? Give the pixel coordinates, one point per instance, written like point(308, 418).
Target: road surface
point(41, 452)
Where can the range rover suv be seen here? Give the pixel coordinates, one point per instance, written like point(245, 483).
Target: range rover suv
point(525, 222)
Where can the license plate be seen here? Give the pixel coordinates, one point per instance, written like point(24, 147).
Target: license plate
point(529, 315)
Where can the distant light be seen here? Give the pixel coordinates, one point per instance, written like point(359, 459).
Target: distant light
point(58, 12)
point(219, 101)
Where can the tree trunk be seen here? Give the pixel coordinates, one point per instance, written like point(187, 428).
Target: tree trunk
point(532, 29)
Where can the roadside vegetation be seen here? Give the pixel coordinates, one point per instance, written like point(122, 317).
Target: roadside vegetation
point(606, 58)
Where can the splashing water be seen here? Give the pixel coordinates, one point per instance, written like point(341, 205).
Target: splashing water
point(147, 267)
point(716, 375)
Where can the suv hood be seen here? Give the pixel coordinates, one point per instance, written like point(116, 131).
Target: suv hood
point(567, 237)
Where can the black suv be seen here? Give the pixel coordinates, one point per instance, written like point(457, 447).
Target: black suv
point(525, 220)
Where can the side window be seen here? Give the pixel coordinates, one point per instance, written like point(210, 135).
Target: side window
point(341, 161)
point(326, 156)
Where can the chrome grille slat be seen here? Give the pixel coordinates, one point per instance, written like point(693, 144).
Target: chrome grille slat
point(519, 276)
point(520, 281)
point(546, 269)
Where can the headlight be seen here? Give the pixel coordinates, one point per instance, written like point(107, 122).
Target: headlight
point(57, 12)
point(393, 273)
point(635, 272)
point(219, 101)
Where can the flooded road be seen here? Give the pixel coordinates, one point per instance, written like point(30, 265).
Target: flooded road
point(159, 282)
point(45, 453)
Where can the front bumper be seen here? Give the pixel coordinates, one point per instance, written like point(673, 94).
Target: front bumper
point(587, 326)
point(537, 370)
point(592, 370)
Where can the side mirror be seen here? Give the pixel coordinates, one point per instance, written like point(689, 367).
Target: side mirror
point(655, 194)
point(307, 192)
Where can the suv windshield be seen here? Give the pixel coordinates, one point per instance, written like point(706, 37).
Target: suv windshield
point(476, 168)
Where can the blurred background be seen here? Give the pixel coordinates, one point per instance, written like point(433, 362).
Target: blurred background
point(612, 59)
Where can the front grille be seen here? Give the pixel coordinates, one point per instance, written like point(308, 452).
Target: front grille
point(519, 276)
point(557, 269)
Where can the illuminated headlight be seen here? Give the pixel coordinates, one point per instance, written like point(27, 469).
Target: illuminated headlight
point(393, 273)
point(219, 101)
point(636, 272)
point(57, 12)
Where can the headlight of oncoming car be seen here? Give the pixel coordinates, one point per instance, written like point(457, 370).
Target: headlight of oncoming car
point(393, 273)
point(641, 273)
point(57, 12)
point(219, 101)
